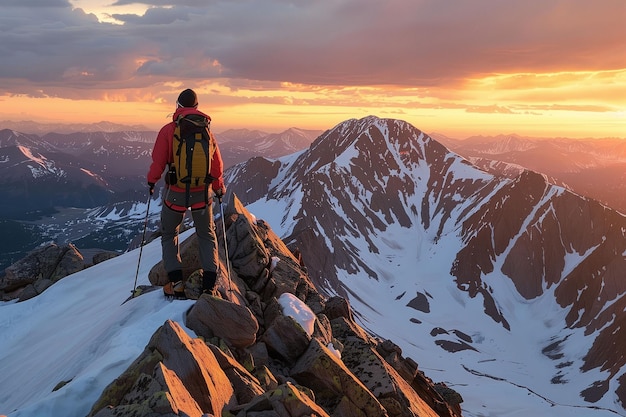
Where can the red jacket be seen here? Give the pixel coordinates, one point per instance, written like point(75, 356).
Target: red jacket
point(162, 154)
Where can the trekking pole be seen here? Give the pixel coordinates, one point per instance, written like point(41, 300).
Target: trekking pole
point(225, 245)
point(143, 239)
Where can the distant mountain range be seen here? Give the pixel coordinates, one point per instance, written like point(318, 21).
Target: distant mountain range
point(594, 168)
point(96, 176)
point(93, 169)
point(505, 284)
point(69, 170)
point(239, 145)
point(86, 187)
point(37, 128)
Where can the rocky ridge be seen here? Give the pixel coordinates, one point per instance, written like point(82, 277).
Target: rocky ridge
point(250, 357)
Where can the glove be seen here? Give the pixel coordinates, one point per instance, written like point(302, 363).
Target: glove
point(219, 193)
point(151, 186)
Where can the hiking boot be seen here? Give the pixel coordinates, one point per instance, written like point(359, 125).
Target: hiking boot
point(175, 290)
point(208, 282)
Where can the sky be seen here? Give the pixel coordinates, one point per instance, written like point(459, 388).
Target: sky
point(460, 68)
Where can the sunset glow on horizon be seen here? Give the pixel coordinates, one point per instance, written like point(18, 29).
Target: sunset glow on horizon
point(527, 69)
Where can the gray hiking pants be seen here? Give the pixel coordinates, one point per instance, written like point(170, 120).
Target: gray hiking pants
point(205, 230)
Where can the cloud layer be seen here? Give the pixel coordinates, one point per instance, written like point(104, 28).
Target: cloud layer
point(50, 48)
point(536, 67)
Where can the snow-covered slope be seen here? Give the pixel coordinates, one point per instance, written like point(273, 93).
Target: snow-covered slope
point(78, 332)
point(505, 289)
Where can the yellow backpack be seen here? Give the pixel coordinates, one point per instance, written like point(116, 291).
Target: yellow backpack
point(192, 151)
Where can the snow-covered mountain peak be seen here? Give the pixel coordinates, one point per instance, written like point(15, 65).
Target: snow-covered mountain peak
point(434, 251)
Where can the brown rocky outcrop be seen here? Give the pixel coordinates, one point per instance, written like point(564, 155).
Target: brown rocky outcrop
point(174, 374)
point(251, 357)
point(41, 268)
point(335, 386)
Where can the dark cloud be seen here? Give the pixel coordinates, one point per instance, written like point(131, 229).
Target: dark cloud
point(161, 3)
point(158, 16)
point(429, 43)
point(349, 42)
point(61, 46)
point(35, 3)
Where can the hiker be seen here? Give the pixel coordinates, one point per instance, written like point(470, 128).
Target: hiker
point(193, 195)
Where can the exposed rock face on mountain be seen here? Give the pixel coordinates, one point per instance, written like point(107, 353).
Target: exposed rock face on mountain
point(255, 357)
point(255, 176)
point(378, 198)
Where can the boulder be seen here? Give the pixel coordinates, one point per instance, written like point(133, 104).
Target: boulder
point(286, 338)
point(163, 394)
point(211, 316)
point(383, 381)
point(338, 307)
point(103, 256)
point(246, 250)
point(246, 385)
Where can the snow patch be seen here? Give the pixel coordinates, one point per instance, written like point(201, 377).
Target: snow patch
point(334, 351)
point(295, 308)
point(274, 262)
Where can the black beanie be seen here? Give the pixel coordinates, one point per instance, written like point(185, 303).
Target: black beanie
point(187, 98)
